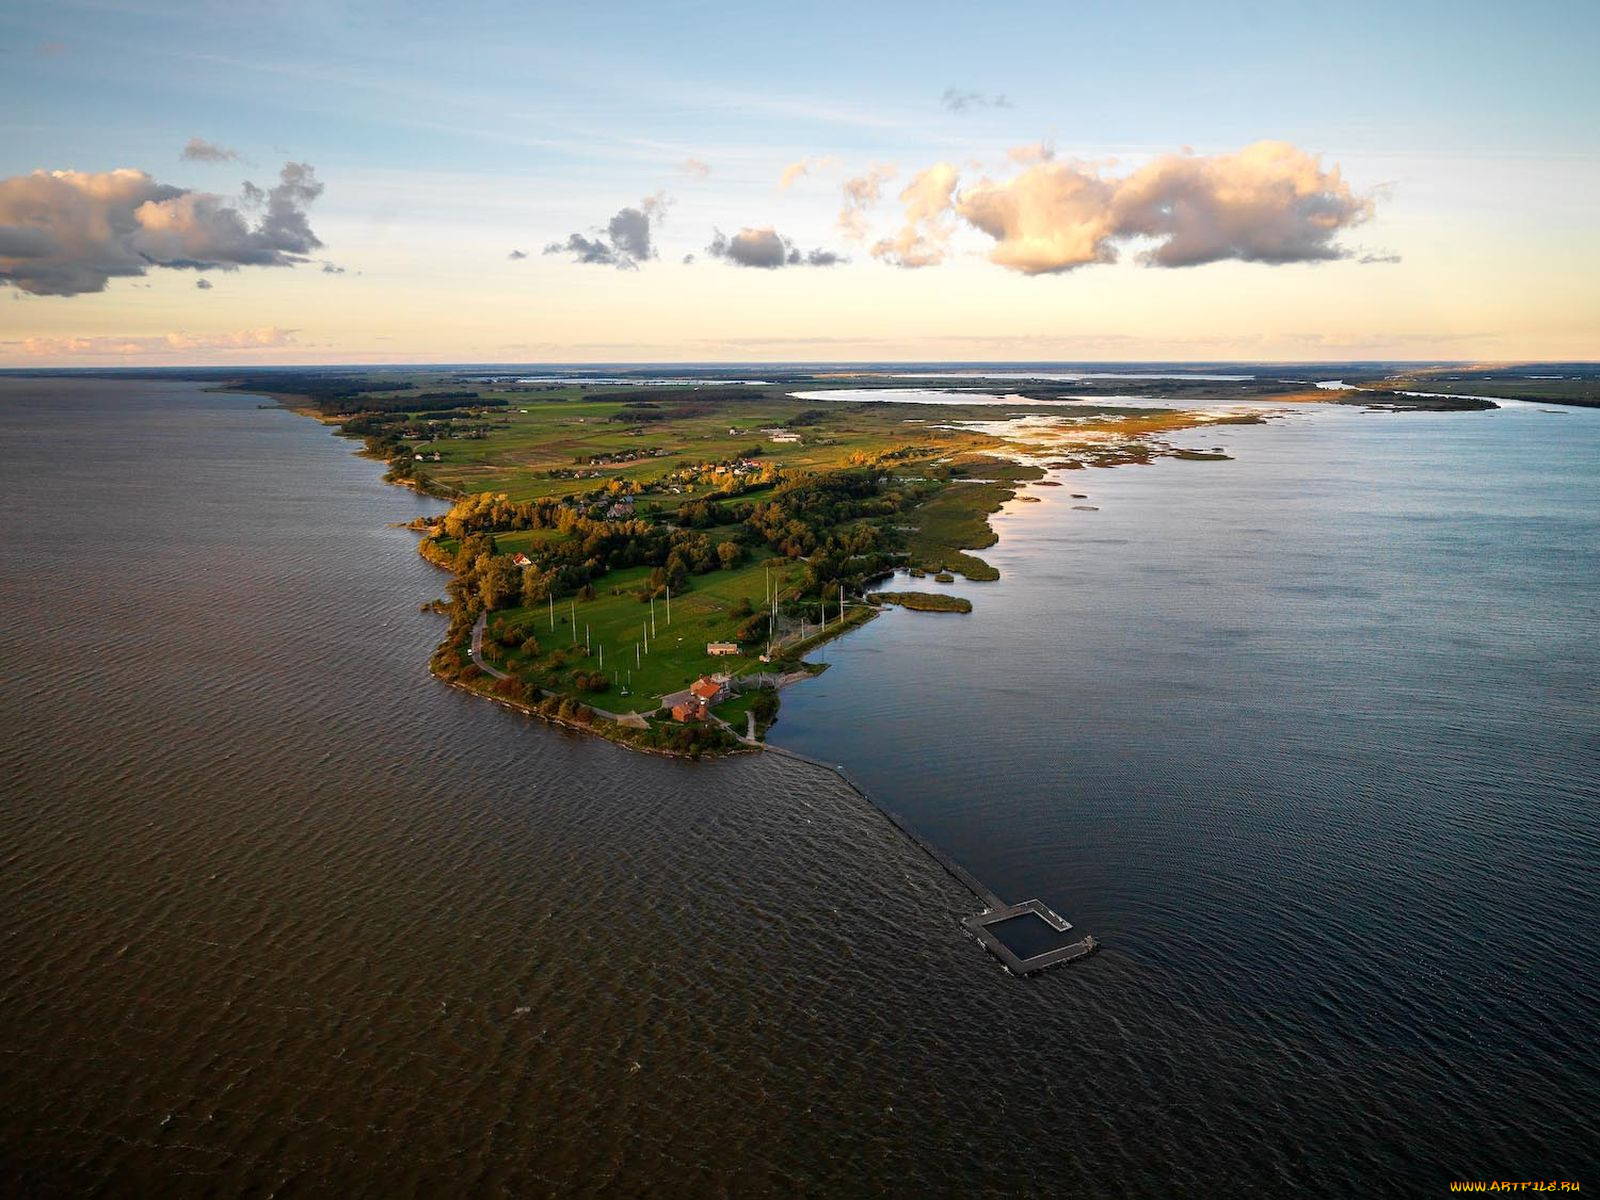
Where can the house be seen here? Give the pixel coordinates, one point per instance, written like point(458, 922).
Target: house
point(710, 689)
point(690, 711)
point(785, 437)
point(521, 560)
point(721, 649)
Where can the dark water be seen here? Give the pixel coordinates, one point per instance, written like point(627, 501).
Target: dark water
point(1306, 738)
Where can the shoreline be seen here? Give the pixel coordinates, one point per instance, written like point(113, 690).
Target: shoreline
point(1005, 485)
point(957, 518)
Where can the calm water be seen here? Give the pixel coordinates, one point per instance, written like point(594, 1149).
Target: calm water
point(1306, 738)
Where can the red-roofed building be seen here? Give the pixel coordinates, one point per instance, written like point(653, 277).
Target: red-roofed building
point(710, 689)
point(690, 711)
point(521, 560)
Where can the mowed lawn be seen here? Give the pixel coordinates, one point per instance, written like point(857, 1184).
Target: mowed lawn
point(617, 622)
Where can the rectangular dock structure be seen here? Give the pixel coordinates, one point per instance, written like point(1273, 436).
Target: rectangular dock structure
point(1028, 937)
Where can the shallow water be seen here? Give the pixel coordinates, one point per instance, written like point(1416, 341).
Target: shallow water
point(283, 915)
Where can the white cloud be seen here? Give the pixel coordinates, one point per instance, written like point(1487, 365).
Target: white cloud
point(63, 233)
point(803, 167)
point(267, 338)
point(767, 249)
point(200, 150)
point(860, 194)
point(1269, 203)
point(958, 100)
point(626, 240)
point(694, 168)
point(924, 239)
point(1033, 152)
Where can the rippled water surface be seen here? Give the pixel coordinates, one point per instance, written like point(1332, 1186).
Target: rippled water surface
point(1307, 739)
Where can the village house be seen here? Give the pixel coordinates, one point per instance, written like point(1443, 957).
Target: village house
point(691, 710)
point(521, 560)
point(721, 649)
point(710, 689)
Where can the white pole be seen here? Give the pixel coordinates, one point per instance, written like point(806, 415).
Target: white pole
point(635, 656)
point(586, 643)
point(669, 604)
point(602, 656)
point(652, 612)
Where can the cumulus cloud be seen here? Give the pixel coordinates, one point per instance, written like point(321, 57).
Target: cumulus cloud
point(694, 168)
point(960, 101)
point(267, 338)
point(804, 166)
point(63, 233)
point(517, 254)
point(924, 239)
point(860, 194)
point(1268, 203)
point(200, 150)
point(203, 284)
point(767, 249)
point(1033, 152)
point(624, 243)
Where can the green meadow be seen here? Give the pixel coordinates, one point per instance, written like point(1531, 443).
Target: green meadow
point(577, 635)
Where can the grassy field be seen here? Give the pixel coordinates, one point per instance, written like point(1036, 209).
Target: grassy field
point(614, 627)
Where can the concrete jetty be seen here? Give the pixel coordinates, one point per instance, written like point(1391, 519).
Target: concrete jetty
point(1026, 937)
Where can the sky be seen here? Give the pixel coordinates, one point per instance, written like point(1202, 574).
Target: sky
point(342, 182)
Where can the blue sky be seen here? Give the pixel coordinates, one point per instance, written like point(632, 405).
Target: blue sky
point(448, 135)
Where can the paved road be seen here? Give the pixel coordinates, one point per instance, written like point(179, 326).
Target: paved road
point(477, 649)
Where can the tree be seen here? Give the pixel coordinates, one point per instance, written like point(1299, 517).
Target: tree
point(499, 582)
point(535, 586)
point(677, 569)
point(729, 553)
point(765, 706)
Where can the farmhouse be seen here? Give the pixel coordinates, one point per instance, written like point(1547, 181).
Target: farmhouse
point(521, 560)
point(710, 689)
point(721, 649)
point(691, 710)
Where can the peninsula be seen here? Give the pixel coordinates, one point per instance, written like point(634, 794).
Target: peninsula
point(618, 543)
